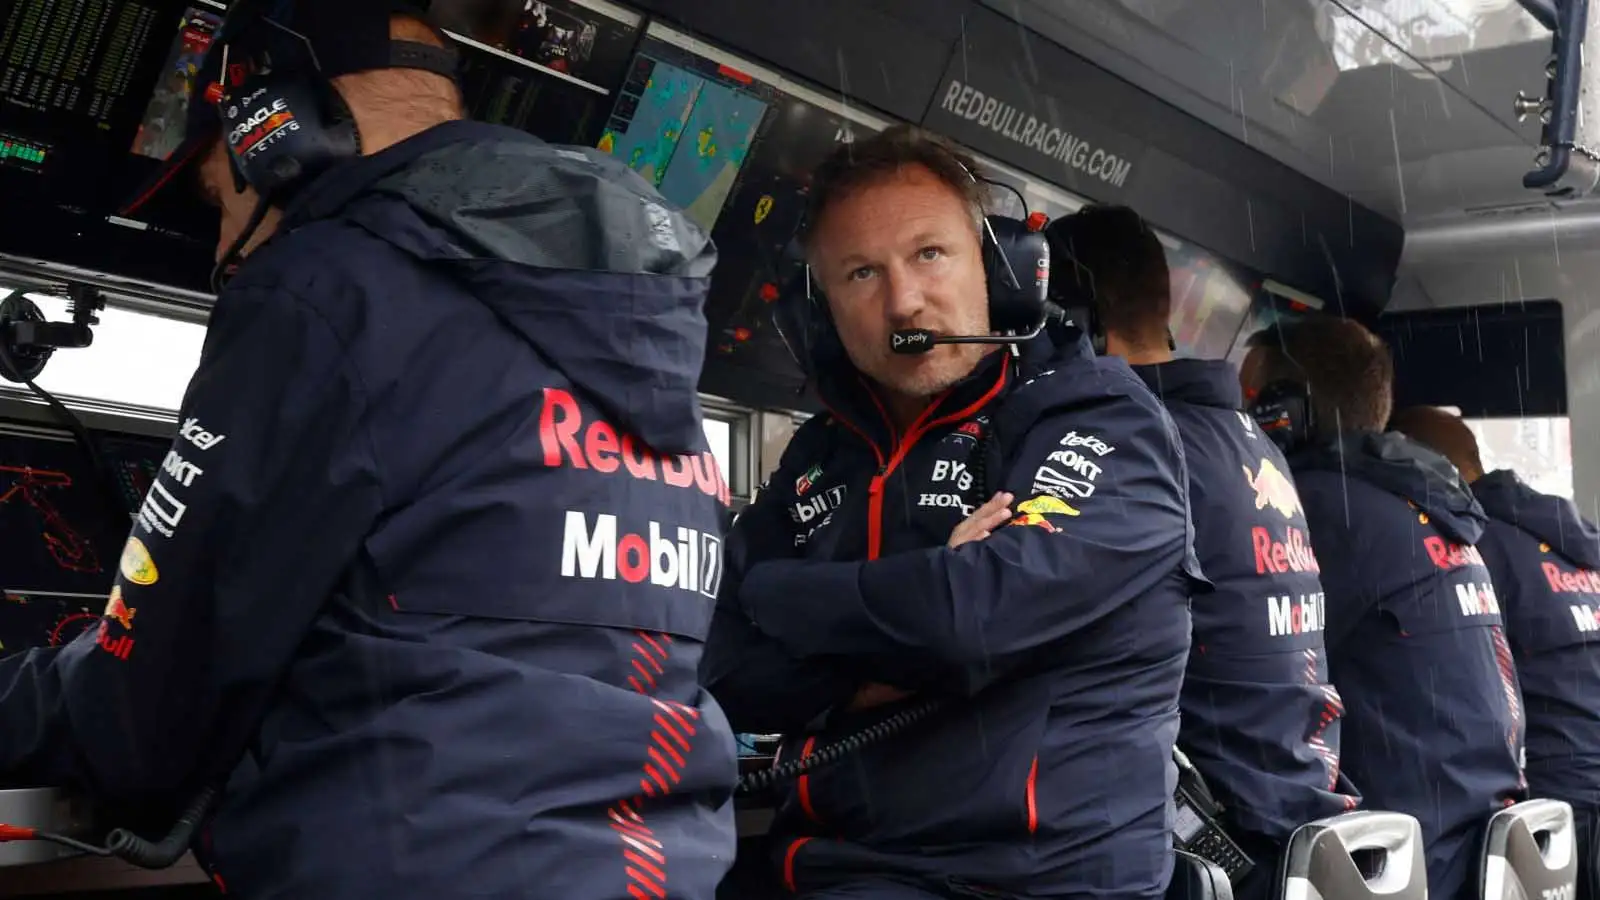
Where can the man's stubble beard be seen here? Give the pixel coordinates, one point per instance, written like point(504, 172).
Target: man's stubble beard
point(935, 380)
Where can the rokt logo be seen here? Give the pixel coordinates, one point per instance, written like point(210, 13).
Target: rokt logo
point(675, 557)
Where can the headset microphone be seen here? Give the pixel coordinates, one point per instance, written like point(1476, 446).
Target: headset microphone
point(912, 341)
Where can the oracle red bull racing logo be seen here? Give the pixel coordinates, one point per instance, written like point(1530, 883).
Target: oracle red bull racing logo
point(568, 440)
point(663, 556)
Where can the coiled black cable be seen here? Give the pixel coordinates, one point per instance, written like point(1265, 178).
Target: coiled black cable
point(756, 782)
point(832, 753)
point(127, 846)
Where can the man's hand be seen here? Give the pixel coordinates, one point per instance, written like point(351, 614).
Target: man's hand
point(983, 521)
point(875, 694)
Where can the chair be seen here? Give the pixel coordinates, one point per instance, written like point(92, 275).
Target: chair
point(1531, 850)
point(1194, 878)
point(1356, 856)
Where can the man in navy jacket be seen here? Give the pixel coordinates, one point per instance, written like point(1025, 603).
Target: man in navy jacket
point(425, 578)
point(1434, 722)
point(1260, 719)
point(1545, 559)
point(1003, 529)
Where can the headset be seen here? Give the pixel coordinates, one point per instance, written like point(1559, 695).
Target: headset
point(1016, 266)
point(1284, 412)
point(1282, 407)
point(281, 118)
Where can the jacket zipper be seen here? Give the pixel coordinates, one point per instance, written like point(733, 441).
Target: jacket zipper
point(902, 447)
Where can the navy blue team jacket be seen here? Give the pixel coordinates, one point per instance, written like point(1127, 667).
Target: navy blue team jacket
point(1545, 560)
point(1058, 643)
point(435, 550)
point(1434, 722)
point(1260, 720)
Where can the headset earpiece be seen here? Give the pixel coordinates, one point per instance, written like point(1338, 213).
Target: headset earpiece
point(282, 130)
point(1283, 411)
point(1016, 263)
point(283, 121)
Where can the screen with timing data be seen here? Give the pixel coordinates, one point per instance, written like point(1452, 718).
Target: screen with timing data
point(91, 103)
point(93, 96)
point(60, 539)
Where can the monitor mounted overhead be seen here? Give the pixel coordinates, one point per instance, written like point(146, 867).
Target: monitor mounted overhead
point(92, 97)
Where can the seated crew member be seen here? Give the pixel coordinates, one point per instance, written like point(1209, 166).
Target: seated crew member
point(1260, 720)
point(1433, 721)
point(376, 588)
point(880, 568)
point(1544, 558)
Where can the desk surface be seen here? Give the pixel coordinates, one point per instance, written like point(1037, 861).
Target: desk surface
point(93, 874)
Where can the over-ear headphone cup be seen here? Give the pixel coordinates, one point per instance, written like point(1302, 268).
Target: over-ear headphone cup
point(1283, 411)
point(1017, 268)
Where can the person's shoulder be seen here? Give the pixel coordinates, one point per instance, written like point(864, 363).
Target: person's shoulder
point(811, 441)
point(1103, 385)
point(344, 275)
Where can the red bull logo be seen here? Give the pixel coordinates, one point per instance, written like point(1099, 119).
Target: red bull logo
point(1583, 581)
point(1275, 557)
point(569, 440)
point(1032, 513)
point(1449, 556)
point(1274, 489)
point(117, 610)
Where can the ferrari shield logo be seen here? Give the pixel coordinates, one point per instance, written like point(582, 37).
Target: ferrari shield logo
point(763, 208)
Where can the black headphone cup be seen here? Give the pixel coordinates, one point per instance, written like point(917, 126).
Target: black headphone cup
point(1017, 268)
point(1284, 411)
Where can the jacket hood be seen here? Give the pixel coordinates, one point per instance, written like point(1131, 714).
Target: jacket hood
point(1201, 382)
point(571, 249)
point(1553, 520)
point(1395, 463)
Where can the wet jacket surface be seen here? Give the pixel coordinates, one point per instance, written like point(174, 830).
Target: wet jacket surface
point(1057, 645)
point(1434, 720)
point(1260, 719)
point(1545, 559)
point(436, 550)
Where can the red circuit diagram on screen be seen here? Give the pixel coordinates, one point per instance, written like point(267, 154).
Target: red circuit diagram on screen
point(71, 550)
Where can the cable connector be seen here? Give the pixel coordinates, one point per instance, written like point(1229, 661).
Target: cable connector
point(17, 833)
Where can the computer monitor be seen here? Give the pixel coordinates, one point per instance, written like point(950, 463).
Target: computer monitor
point(547, 67)
point(1271, 306)
point(92, 98)
point(61, 536)
point(1210, 299)
point(735, 150)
